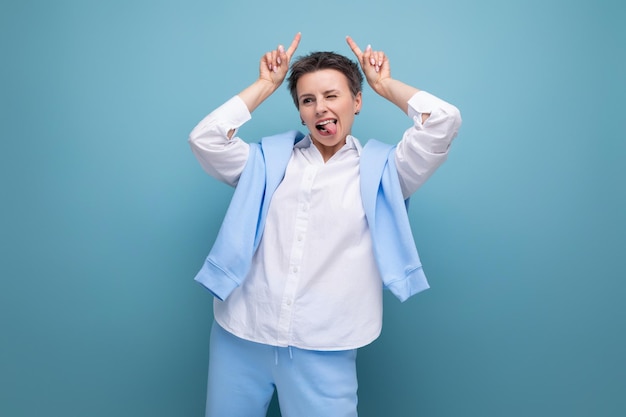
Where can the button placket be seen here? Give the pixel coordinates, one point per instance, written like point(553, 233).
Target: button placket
point(296, 255)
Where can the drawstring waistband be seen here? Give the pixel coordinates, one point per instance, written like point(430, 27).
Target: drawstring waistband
point(276, 354)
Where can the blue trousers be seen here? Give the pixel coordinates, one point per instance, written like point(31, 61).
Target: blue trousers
point(309, 383)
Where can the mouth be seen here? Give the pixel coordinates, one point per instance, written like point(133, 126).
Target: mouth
point(328, 126)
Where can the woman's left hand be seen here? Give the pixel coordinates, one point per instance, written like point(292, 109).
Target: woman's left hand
point(375, 64)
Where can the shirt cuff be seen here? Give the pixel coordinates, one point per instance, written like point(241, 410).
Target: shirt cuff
point(232, 114)
point(423, 102)
point(235, 111)
point(442, 124)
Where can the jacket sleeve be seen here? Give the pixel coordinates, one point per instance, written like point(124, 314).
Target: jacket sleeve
point(229, 260)
point(394, 247)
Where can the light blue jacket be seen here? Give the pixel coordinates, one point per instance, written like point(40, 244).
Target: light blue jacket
point(230, 258)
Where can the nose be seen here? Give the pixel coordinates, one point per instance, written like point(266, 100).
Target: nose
point(320, 106)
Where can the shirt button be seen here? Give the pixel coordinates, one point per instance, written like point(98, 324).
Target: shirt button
point(288, 302)
point(300, 237)
point(294, 269)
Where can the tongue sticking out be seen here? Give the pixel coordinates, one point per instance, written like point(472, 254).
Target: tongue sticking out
point(329, 128)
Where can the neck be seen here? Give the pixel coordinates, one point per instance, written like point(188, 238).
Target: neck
point(328, 151)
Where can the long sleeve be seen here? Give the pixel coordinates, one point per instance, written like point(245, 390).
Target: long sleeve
point(221, 157)
point(424, 146)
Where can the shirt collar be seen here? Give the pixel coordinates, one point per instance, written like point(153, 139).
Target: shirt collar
point(351, 143)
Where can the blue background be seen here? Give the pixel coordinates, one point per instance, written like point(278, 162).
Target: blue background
point(106, 215)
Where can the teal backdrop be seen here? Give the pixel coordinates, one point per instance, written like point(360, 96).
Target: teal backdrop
point(106, 216)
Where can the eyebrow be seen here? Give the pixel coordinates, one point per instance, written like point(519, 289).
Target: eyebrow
point(332, 90)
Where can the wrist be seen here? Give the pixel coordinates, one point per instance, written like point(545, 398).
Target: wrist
point(256, 93)
point(264, 86)
point(383, 87)
point(396, 92)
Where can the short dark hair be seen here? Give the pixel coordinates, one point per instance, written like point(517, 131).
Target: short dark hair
point(316, 61)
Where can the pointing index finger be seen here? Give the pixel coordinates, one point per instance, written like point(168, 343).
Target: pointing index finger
point(294, 45)
point(355, 48)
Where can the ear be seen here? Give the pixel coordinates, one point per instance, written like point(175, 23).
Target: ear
point(358, 102)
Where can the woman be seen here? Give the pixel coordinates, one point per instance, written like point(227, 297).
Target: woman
point(316, 228)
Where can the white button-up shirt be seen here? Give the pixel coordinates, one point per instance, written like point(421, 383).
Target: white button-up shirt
point(314, 283)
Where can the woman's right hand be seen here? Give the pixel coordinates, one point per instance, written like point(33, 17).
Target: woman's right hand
point(272, 72)
point(275, 64)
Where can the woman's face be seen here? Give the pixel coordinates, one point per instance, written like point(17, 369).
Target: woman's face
point(327, 107)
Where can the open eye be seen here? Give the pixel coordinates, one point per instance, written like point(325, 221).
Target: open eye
point(307, 100)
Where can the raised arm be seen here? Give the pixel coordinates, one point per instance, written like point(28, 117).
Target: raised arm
point(213, 140)
point(424, 146)
point(273, 68)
